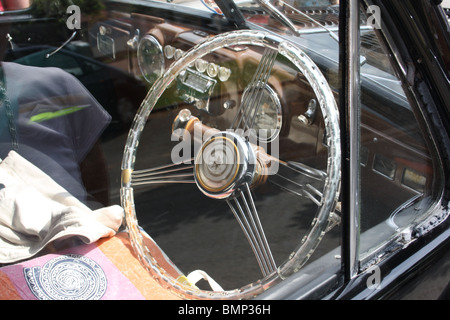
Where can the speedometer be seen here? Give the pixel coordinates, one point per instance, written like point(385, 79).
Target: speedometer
point(268, 119)
point(150, 58)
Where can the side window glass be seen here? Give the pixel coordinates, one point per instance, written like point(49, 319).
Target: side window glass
point(397, 171)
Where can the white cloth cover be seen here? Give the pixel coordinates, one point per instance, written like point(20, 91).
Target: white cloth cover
point(35, 210)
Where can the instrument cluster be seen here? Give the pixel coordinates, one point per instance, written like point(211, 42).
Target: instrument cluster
point(216, 84)
point(151, 61)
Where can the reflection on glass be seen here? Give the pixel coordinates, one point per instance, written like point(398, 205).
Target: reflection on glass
point(396, 170)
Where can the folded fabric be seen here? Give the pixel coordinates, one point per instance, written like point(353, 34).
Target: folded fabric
point(106, 270)
point(35, 211)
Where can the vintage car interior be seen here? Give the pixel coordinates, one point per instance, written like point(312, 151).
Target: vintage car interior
point(224, 146)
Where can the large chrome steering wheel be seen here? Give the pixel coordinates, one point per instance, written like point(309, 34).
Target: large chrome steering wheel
point(228, 166)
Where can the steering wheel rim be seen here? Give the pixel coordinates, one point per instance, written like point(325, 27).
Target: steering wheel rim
point(331, 189)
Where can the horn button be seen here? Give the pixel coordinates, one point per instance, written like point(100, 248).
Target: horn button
point(225, 162)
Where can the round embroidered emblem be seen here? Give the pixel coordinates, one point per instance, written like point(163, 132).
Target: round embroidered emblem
point(68, 277)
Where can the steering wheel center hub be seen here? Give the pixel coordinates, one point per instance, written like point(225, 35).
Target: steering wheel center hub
point(224, 162)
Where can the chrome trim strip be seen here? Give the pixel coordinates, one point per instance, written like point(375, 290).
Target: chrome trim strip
point(353, 103)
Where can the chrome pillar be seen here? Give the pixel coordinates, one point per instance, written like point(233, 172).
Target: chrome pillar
point(350, 106)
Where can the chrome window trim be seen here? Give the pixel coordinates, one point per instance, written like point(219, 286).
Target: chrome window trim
point(352, 88)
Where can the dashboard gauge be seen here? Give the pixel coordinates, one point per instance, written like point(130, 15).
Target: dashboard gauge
point(169, 51)
point(178, 54)
point(224, 74)
point(212, 70)
point(201, 65)
point(268, 119)
point(150, 58)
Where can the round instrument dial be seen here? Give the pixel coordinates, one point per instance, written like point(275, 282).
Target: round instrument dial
point(150, 58)
point(201, 65)
point(212, 70)
point(268, 119)
point(224, 74)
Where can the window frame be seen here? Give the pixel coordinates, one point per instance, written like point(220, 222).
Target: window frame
point(403, 70)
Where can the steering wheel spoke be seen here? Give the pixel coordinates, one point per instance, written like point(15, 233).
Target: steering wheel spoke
point(170, 173)
point(300, 180)
point(244, 210)
point(253, 94)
